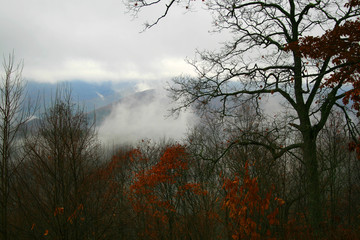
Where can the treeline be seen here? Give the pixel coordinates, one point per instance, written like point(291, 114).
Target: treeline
point(65, 185)
point(222, 181)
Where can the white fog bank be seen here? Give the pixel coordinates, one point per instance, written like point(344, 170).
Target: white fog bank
point(144, 115)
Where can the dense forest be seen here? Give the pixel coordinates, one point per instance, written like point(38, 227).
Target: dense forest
point(243, 172)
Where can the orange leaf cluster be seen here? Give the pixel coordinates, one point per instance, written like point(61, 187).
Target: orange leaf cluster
point(167, 173)
point(58, 211)
point(342, 45)
point(76, 213)
point(246, 207)
point(170, 166)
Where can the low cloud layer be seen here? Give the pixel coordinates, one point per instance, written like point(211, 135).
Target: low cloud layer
point(144, 117)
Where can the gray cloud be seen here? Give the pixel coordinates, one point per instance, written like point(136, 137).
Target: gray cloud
point(94, 40)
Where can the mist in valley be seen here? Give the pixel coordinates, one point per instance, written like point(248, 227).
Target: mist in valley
point(145, 115)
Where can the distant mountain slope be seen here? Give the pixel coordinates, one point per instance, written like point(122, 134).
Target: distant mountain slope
point(90, 95)
point(131, 100)
point(96, 98)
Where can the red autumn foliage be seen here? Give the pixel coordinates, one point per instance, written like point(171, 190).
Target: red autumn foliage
point(76, 213)
point(249, 212)
point(145, 196)
point(342, 45)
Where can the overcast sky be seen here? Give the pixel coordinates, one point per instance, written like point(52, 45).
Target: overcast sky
point(95, 40)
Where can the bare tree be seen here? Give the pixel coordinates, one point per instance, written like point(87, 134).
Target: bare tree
point(56, 186)
point(258, 63)
point(12, 118)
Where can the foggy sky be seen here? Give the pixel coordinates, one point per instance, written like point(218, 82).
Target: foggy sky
point(94, 40)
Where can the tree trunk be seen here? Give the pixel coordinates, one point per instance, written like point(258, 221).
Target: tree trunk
point(312, 175)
